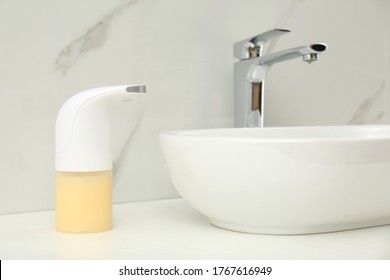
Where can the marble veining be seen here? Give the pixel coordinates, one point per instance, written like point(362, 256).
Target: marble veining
point(368, 112)
point(192, 64)
point(93, 38)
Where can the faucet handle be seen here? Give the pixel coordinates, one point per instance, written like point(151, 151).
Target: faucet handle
point(252, 47)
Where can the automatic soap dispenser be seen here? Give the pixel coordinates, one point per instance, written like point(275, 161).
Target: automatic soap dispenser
point(83, 159)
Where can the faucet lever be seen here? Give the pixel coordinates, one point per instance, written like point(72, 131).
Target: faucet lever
point(253, 46)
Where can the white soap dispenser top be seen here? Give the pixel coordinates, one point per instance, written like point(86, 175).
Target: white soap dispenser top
point(83, 158)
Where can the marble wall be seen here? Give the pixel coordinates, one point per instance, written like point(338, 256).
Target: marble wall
point(182, 49)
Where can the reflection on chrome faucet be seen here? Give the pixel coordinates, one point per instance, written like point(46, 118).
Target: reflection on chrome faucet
point(251, 70)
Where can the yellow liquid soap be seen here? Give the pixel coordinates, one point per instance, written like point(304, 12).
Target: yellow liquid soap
point(83, 201)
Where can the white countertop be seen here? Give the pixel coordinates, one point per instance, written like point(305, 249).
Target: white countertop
point(171, 229)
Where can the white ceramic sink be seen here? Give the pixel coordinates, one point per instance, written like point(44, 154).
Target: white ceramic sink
point(295, 180)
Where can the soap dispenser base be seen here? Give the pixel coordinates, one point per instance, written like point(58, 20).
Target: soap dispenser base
point(83, 201)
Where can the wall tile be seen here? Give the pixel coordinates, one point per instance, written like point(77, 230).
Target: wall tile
point(183, 51)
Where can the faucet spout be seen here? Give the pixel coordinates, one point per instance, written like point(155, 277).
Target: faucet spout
point(309, 53)
point(250, 73)
point(259, 67)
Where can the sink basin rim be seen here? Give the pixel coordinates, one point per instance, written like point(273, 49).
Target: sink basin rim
point(290, 134)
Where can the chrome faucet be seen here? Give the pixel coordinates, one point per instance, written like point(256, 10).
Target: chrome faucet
point(251, 70)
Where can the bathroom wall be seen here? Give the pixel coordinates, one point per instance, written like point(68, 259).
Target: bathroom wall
point(182, 49)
